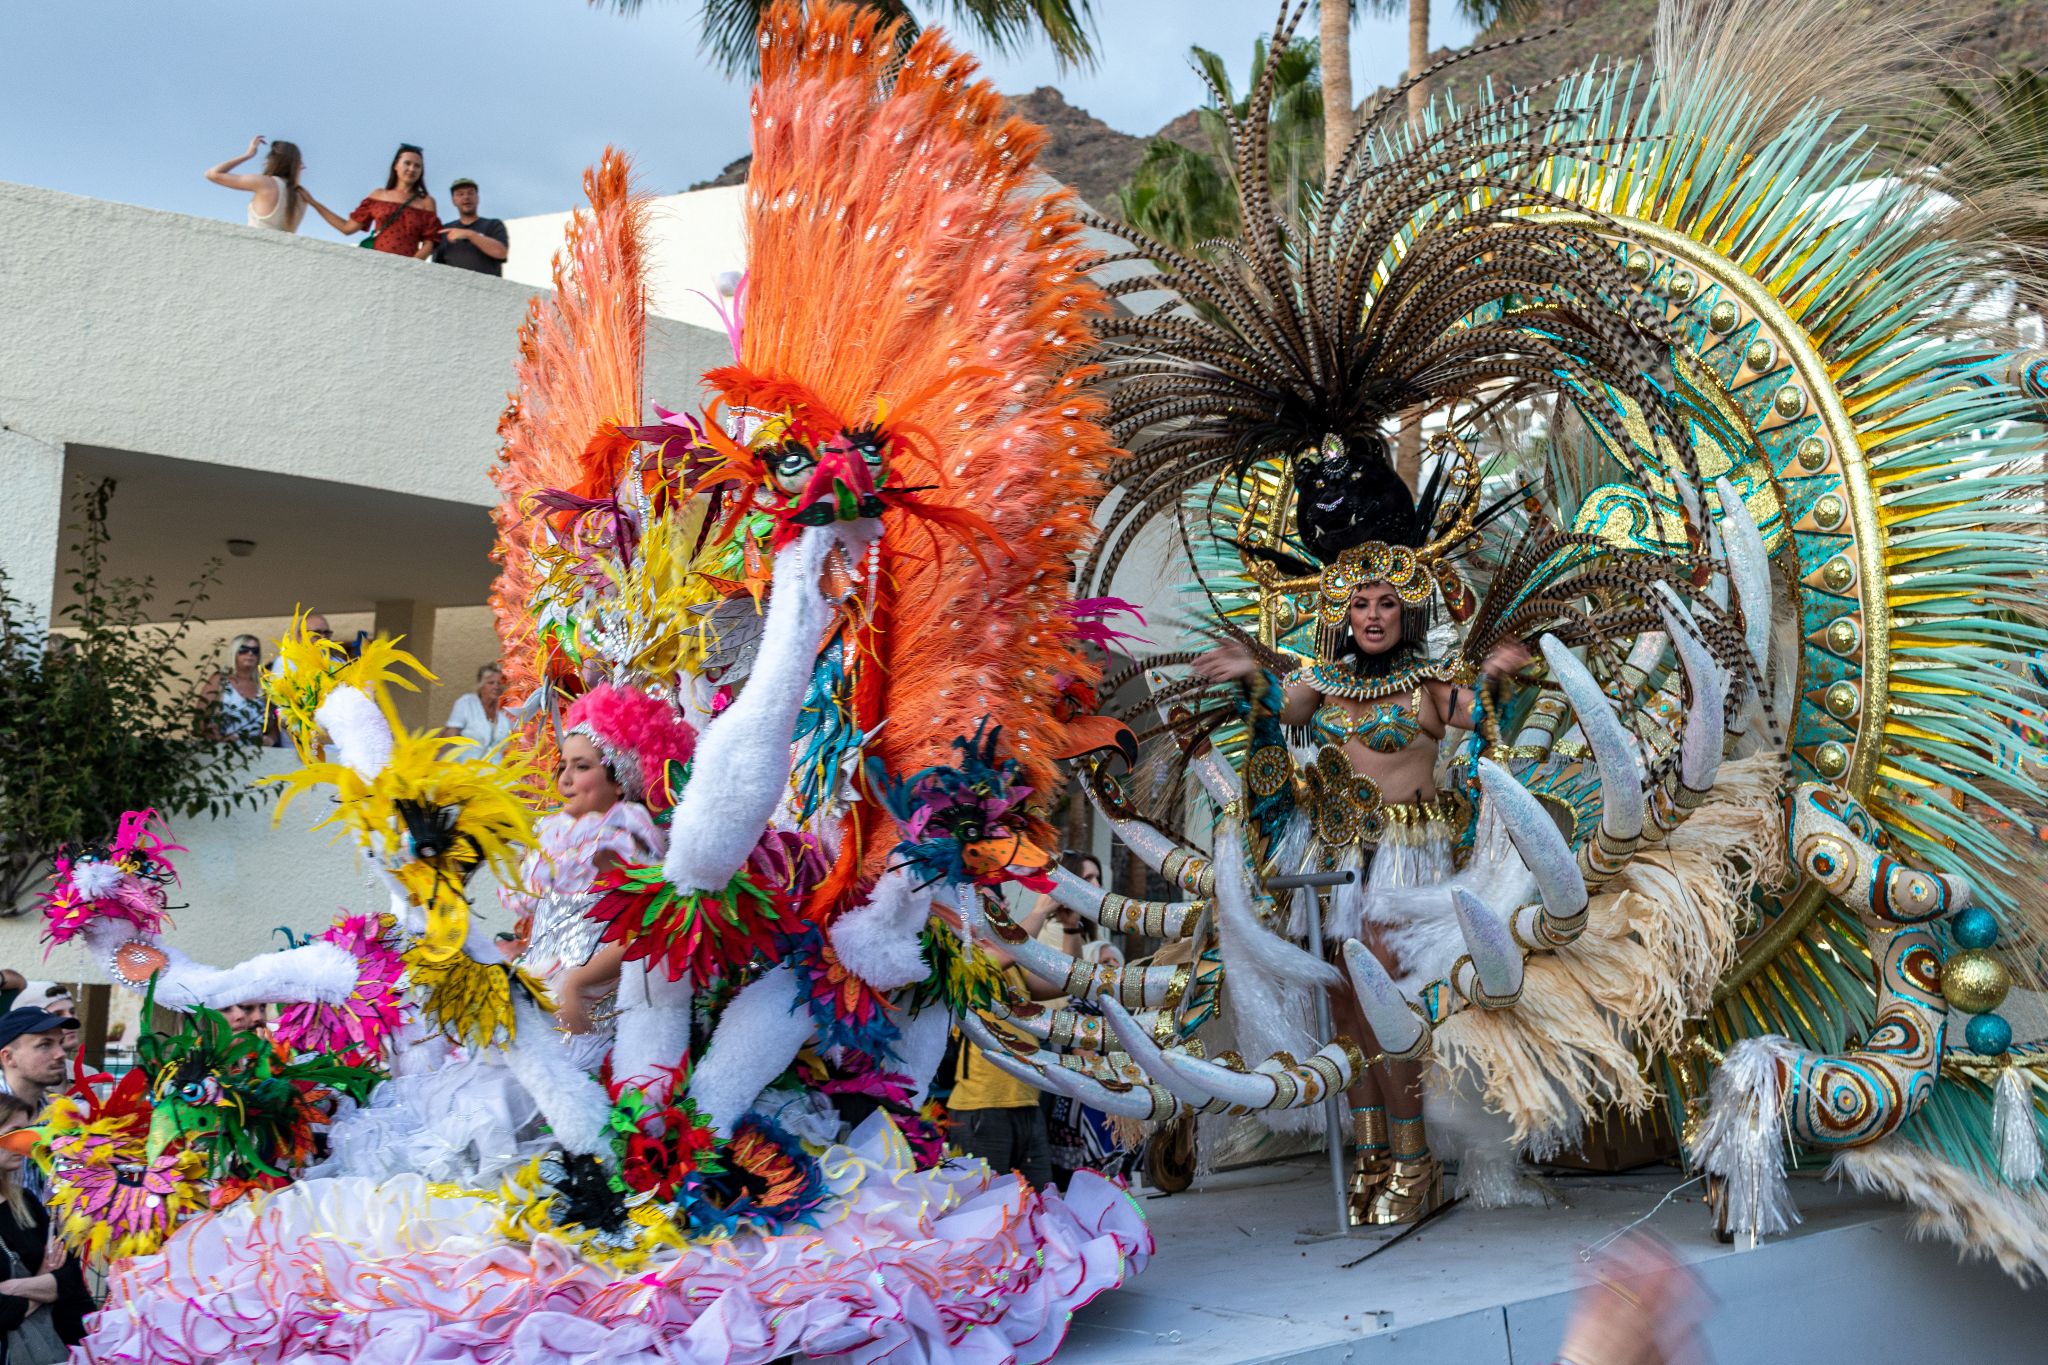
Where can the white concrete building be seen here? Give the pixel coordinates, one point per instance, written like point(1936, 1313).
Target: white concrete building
point(337, 407)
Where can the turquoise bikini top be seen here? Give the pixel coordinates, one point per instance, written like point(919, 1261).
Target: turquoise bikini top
point(1387, 728)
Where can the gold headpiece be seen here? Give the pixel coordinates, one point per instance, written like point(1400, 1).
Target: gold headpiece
point(1413, 573)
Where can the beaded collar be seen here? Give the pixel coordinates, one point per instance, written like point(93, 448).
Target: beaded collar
point(1341, 680)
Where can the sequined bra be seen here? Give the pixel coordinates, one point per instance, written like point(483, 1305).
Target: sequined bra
point(1387, 727)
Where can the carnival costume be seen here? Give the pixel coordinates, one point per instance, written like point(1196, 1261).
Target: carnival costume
point(1736, 852)
point(833, 614)
point(1682, 865)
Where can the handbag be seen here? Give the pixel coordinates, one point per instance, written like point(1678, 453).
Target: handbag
point(369, 243)
point(35, 1342)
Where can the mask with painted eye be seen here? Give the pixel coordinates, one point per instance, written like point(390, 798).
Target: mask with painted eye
point(200, 1090)
point(790, 466)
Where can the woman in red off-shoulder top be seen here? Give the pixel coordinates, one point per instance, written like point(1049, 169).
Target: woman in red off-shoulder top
point(402, 214)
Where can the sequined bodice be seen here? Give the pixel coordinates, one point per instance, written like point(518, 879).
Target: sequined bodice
point(1387, 727)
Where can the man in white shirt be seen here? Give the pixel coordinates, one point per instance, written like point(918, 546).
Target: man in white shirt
point(478, 717)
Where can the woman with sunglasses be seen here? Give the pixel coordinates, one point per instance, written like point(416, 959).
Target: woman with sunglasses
point(231, 704)
point(401, 218)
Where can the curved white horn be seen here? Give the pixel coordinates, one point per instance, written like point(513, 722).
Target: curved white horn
point(1749, 565)
point(1614, 749)
point(1146, 986)
point(1278, 1082)
point(1699, 750)
point(1151, 1059)
point(1124, 914)
point(1139, 1102)
point(1400, 1032)
point(1492, 976)
point(1538, 840)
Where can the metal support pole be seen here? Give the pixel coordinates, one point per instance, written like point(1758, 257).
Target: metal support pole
point(1333, 1105)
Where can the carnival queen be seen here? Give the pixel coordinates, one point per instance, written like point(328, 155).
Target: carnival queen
point(1376, 707)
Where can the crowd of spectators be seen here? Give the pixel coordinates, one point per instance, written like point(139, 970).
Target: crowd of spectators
point(401, 219)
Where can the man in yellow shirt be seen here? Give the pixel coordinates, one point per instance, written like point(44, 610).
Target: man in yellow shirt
point(996, 1116)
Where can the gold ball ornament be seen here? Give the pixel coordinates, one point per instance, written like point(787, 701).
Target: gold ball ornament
point(1974, 981)
point(1723, 317)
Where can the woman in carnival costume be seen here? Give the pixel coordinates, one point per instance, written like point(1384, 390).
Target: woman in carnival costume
point(1379, 706)
point(795, 576)
point(1735, 852)
point(617, 745)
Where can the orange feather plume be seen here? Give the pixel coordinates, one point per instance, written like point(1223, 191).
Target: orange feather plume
point(579, 372)
point(904, 267)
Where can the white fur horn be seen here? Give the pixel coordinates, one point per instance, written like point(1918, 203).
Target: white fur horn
point(1401, 1032)
point(1491, 974)
point(741, 771)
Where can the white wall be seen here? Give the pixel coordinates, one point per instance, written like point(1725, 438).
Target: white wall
point(240, 880)
point(207, 341)
point(691, 240)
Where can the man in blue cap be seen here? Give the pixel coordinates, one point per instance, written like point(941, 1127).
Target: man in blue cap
point(34, 1059)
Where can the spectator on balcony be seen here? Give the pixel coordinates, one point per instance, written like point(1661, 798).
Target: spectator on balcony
point(468, 241)
point(400, 218)
point(275, 199)
point(231, 703)
point(479, 716)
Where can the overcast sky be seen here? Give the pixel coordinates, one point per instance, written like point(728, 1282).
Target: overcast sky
point(133, 99)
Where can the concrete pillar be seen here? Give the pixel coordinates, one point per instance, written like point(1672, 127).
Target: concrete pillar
point(411, 621)
point(32, 510)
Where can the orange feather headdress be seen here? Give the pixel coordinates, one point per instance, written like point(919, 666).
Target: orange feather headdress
point(909, 272)
point(579, 372)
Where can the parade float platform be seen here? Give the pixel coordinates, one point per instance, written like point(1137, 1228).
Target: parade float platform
point(1246, 1272)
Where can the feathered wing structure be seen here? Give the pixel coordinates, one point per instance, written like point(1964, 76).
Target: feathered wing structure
point(581, 353)
point(909, 274)
point(1782, 456)
point(1428, 275)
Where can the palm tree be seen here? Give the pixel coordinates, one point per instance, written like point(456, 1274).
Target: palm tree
point(1001, 26)
point(1481, 14)
point(1340, 111)
point(1183, 195)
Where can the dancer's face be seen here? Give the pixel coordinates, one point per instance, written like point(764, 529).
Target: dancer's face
point(1375, 618)
point(586, 788)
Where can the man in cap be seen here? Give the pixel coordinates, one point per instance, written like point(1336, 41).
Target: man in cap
point(34, 1059)
point(469, 242)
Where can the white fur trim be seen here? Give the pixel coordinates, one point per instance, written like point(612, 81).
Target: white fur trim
point(878, 940)
point(742, 765)
point(654, 1029)
point(922, 1047)
point(358, 728)
point(757, 1037)
point(93, 879)
point(575, 1106)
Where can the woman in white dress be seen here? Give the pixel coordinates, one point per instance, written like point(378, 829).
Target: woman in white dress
point(276, 201)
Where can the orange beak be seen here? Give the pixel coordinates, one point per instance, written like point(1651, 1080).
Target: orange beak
point(987, 856)
point(22, 1141)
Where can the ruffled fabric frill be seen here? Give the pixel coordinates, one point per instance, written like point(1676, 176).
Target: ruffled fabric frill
point(952, 1264)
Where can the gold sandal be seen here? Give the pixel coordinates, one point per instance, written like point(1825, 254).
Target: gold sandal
point(1369, 1171)
point(1413, 1189)
point(1368, 1160)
